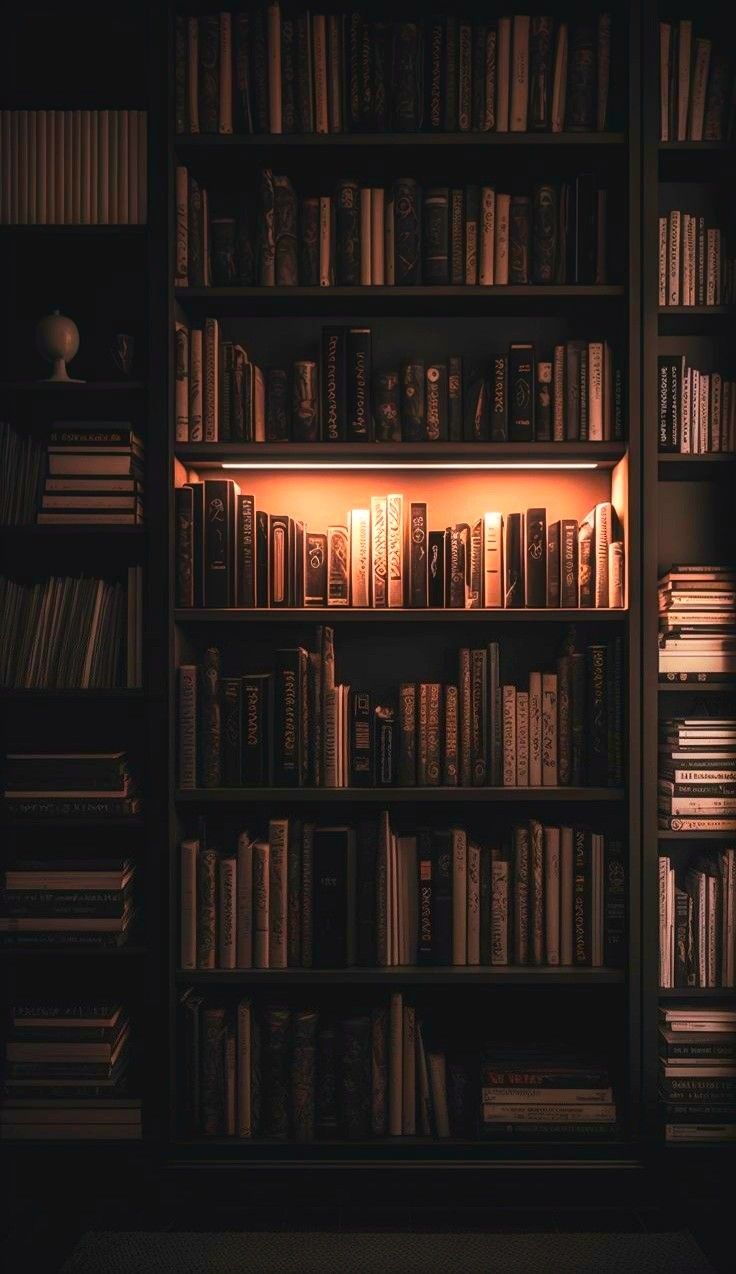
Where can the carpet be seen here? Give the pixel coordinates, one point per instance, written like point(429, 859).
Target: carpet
point(143, 1252)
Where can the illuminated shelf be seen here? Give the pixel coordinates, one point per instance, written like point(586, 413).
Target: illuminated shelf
point(401, 454)
point(393, 795)
point(402, 615)
point(409, 975)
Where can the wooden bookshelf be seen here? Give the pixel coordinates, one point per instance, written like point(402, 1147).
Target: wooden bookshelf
point(389, 795)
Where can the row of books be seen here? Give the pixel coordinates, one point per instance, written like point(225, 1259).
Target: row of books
point(75, 902)
point(696, 921)
point(574, 392)
point(697, 409)
point(697, 768)
point(72, 632)
point(65, 1073)
point(297, 726)
point(405, 235)
point(307, 896)
point(95, 785)
point(73, 167)
point(386, 1070)
point(94, 474)
point(696, 88)
point(697, 623)
point(231, 553)
point(264, 72)
point(697, 1073)
point(695, 265)
point(23, 461)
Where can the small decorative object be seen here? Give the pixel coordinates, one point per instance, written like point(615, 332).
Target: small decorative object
point(57, 340)
point(122, 348)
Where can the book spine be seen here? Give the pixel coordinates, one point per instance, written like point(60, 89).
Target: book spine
point(418, 578)
point(358, 382)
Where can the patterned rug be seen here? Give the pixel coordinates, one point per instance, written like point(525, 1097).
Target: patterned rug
point(143, 1252)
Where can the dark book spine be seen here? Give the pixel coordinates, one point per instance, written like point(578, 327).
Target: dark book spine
point(334, 408)
point(476, 406)
point(564, 721)
point(259, 69)
point(451, 73)
point(334, 897)
point(218, 543)
point(540, 73)
point(278, 405)
point(184, 513)
point(262, 565)
point(381, 47)
point(465, 71)
point(465, 718)
point(572, 390)
point(450, 738)
point(407, 78)
point(245, 245)
point(303, 61)
point(479, 86)
point(303, 1078)
point(305, 401)
point(232, 731)
point(457, 546)
point(472, 233)
point(441, 842)
point(425, 887)
point(583, 395)
point(288, 76)
point(294, 894)
point(222, 252)
point(500, 399)
point(614, 904)
point(436, 403)
point(246, 574)
point(455, 398)
point(520, 233)
point(407, 231)
point(479, 717)
point(436, 236)
point(358, 386)
point(581, 897)
point(535, 573)
point(213, 1113)
point(436, 568)
point(361, 729)
point(180, 75)
point(285, 232)
point(347, 215)
point(543, 405)
point(413, 417)
point(384, 749)
point(597, 716)
point(435, 74)
point(326, 1102)
point(553, 564)
point(354, 91)
point(279, 559)
point(513, 563)
point(433, 748)
point(355, 1078)
point(418, 578)
point(578, 707)
point(485, 906)
point(276, 1047)
point(568, 563)
point(290, 761)
point(367, 847)
point(521, 393)
point(545, 234)
point(266, 229)
point(257, 723)
point(457, 238)
point(581, 81)
point(209, 72)
point(386, 406)
point(196, 273)
point(315, 588)
point(210, 719)
point(241, 74)
point(309, 243)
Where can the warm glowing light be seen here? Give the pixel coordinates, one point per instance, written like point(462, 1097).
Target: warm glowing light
point(472, 466)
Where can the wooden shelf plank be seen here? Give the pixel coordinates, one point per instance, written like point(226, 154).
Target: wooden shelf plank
point(688, 836)
point(408, 976)
point(697, 993)
point(697, 687)
point(204, 144)
point(603, 454)
point(356, 614)
point(389, 795)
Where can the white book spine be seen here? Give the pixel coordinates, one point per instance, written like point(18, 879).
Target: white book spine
point(673, 258)
point(360, 557)
point(395, 549)
point(712, 256)
point(688, 263)
point(595, 391)
point(492, 559)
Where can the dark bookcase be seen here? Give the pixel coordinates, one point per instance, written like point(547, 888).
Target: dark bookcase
point(672, 508)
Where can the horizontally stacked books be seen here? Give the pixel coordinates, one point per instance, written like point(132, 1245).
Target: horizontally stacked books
point(292, 1073)
point(696, 85)
point(572, 392)
point(309, 896)
point(530, 1094)
point(697, 623)
point(90, 785)
point(695, 267)
point(72, 633)
point(403, 236)
point(697, 1073)
point(23, 463)
point(259, 72)
point(697, 408)
point(697, 767)
point(297, 726)
point(697, 909)
point(73, 167)
point(65, 1074)
point(95, 474)
point(231, 553)
point(73, 902)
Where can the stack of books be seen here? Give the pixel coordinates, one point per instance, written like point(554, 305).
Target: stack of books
point(694, 266)
point(298, 726)
point(403, 236)
point(70, 168)
point(94, 785)
point(263, 72)
point(697, 409)
point(697, 623)
point(697, 1073)
point(73, 634)
point(231, 553)
point(75, 902)
point(695, 85)
point(65, 1074)
point(292, 1073)
point(310, 896)
point(23, 463)
point(697, 905)
point(95, 475)
point(696, 756)
point(522, 392)
point(530, 1094)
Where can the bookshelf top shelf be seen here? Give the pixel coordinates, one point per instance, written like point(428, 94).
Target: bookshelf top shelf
point(393, 795)
point(407, 975)
point(187, 144)
point(604, 455)
point(358, 614)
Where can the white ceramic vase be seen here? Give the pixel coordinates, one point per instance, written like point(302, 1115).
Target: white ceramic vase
point(57, 340)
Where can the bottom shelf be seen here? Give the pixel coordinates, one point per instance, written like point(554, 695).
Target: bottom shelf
point(401, 1149)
